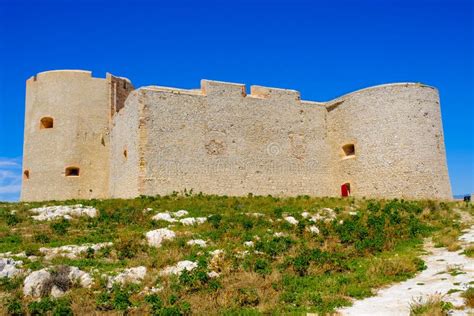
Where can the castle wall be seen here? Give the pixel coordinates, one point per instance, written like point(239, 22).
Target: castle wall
point(79, 107)
point(125, 148)
point(398, 138)
point(217, 139)
point(220, 140)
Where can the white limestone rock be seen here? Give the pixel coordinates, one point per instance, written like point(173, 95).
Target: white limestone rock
point(189, 221)
point(213, 274)
point(36, 282)
point(325, 214)
point(83, 278)
point(179, 268)
point(156, 237)
point(291, 220)
point(280, 234)
point(72, 251)
point(47, 213)
point(180, 213)
point(170, 217)
point(198, 242)
point(255, 214)
point(313, 229)
point(165, 216)
point(10, 267)
point(249, 244)
point(130, 275)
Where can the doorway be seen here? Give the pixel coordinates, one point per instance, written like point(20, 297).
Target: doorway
point(346, 189)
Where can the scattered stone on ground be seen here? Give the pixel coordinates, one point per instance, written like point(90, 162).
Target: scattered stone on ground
point(179, 268)
point(445, 271)
point(170, 217)
point(255, 214)
point(55, 281)
point(9, 254)
point(313, 229)
point(280, 234)
point(213, 274)
point(291, 220)
point(10, 267)
point(165, 216)
point(189, 221)
point(249, 244)
point(180, 213)
point(157, 236)
point(353, 213)
point(47, 213)
point(152, 290)
point(198, 242)
point(325, 214)
point(305, 214)
point(130, 275)
point(72, 251)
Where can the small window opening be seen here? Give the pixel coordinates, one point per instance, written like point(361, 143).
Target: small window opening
point(46, 122)
point(26, 174)
point(346, 189)
point(72, 172)
point(349, 149)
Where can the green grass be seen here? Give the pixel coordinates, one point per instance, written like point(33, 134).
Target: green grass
point(297, 273)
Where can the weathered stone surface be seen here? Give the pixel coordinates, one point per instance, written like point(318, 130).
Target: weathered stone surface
point(10, 268)
point(156, 237)
point(198, 242)
point(179, 268)
point(55, 281)
point(291, 220)
point(189, 221)
point(131, 275)
point(48, 213)
point(72, 251)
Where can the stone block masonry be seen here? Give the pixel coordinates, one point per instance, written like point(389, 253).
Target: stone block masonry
point(103, 138)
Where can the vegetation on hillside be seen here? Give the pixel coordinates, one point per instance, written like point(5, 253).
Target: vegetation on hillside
point(290, 269)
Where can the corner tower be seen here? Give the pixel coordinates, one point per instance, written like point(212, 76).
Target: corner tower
point(388, 142)
point(66, 141)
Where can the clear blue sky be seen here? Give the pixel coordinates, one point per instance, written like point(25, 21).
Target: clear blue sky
point(321, 48)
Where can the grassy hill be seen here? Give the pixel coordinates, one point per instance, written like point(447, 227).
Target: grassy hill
point(338, 250)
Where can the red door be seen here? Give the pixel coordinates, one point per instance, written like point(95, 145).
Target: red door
point(345, 189)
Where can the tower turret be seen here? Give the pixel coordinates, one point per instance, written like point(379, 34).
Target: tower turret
point(66, 141)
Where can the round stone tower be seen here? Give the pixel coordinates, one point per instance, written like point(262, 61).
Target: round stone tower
point(66, 140)
point(388, 142)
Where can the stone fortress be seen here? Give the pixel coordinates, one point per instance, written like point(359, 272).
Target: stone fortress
point(91, 137)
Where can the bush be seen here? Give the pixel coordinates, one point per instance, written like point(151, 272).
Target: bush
point(41, 238)
point(14, 307)
point(61, 227)
point(468, 296)
point(10, 284)
point(129, 246)
point(432, 306)
point(174, 306)
point(262, 267)
point(58, 307)
point(247, 297)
